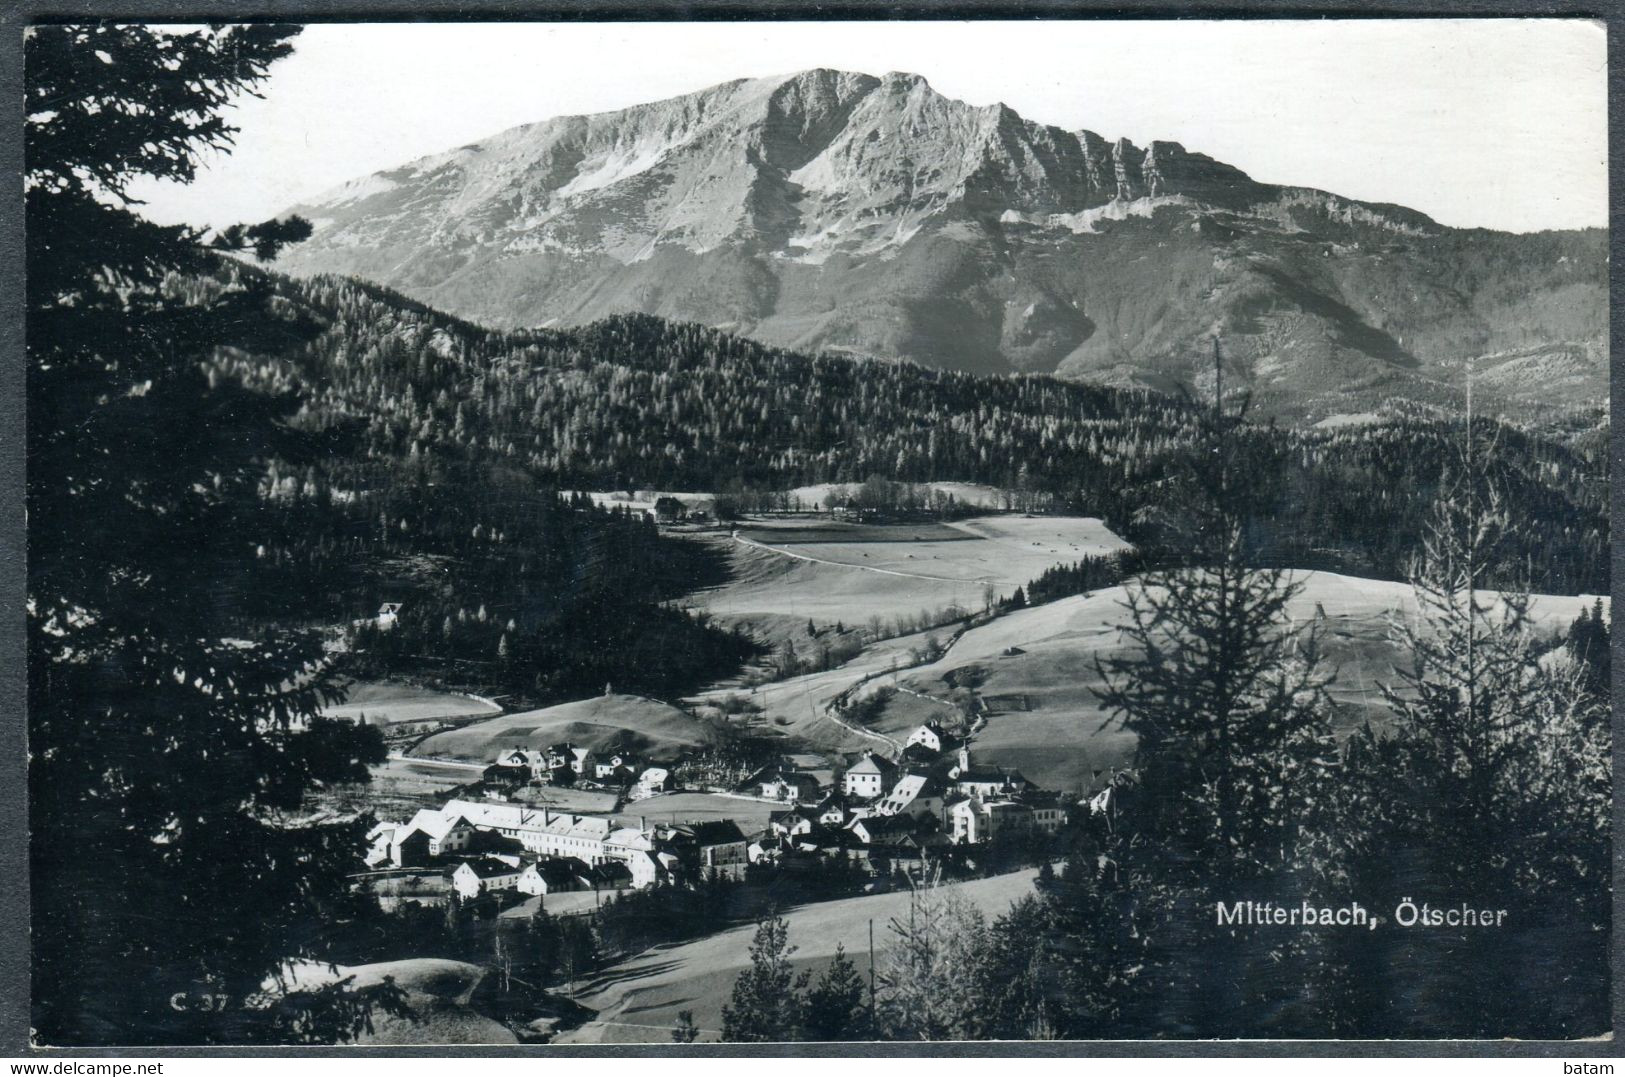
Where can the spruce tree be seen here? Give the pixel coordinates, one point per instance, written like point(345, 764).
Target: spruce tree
point(835, 1010)
point(1492, 791)
point(1227, 700)
point(173, 729)
point(767, 1004)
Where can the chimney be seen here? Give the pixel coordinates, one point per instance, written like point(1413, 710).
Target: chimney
point(964, 758)
point(643, 827)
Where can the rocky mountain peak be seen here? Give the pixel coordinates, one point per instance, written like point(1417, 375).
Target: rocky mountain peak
point(828, 209)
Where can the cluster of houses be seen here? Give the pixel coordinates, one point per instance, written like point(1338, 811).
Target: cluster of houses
point(931, 800)
point(567, 763)
point(484, 847)
point(895, 812)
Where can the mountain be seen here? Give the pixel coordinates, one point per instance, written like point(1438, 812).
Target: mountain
point(840, 212)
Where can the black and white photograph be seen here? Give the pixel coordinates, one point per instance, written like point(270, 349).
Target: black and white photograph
point(816, 533)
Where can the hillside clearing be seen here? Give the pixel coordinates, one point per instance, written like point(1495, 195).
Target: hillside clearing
point(637, 999)
point(389, 703)
point(645, 725)
point(1063, 737)
point(853, 574)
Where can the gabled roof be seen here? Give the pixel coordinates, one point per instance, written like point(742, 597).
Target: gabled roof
point(983, 773)
point(490, 869)
point(436, 824)
point(716, 832)
point(630, 837)
point(613, 871)
point(914, 785)
point(526, 819)
point(872, 764)
point(553, 871)
point(888, 827)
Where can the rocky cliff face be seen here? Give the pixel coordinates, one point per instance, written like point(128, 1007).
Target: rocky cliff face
point(840, 211)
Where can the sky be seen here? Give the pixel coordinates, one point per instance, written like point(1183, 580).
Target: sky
point(1481, 123)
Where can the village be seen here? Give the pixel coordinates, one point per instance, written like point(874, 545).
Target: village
point(932, 805)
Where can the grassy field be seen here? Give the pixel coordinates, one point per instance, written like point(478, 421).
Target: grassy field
point(775, 533)
point(852, 574)
point(1006, 551)
point(797, 707)
point(657, 729)
point(385, 703)
point(1065, 737)
point(399, 787)
point(637, 1000)
point(750, 813)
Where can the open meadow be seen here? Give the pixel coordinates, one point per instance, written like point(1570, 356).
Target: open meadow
point(390, 703)
point(648, 726)
point(1040, 674)
point(829, 572)
point(637, 999)
point(749, 812)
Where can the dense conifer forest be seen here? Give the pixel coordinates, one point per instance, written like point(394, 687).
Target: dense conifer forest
point(637, 402)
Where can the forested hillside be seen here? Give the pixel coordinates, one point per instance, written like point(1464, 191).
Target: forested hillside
point(640, 402)
point(836, 211)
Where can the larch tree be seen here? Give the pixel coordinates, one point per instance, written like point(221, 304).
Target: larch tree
point(172, 736)
point(932, 978)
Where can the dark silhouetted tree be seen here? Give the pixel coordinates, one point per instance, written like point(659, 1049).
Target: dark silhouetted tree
point(171, 740)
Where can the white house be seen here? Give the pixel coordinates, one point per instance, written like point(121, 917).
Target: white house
point(647, 870)
point(388, 613)
point(974, 821)
point(606, 768)
point(540, 830)
point(654, 780)
point(551, 876)
point(871, 776)
point(914, 794)
point(965, 825)
point(475, 877)
point(535, 762)
point(789, 823)
point(885, 830)
point(834, 811)
point(574, 756)
point(380, 840)
point(930, 736)
point(625, 842)
point(791, 787)
point(430, 833)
